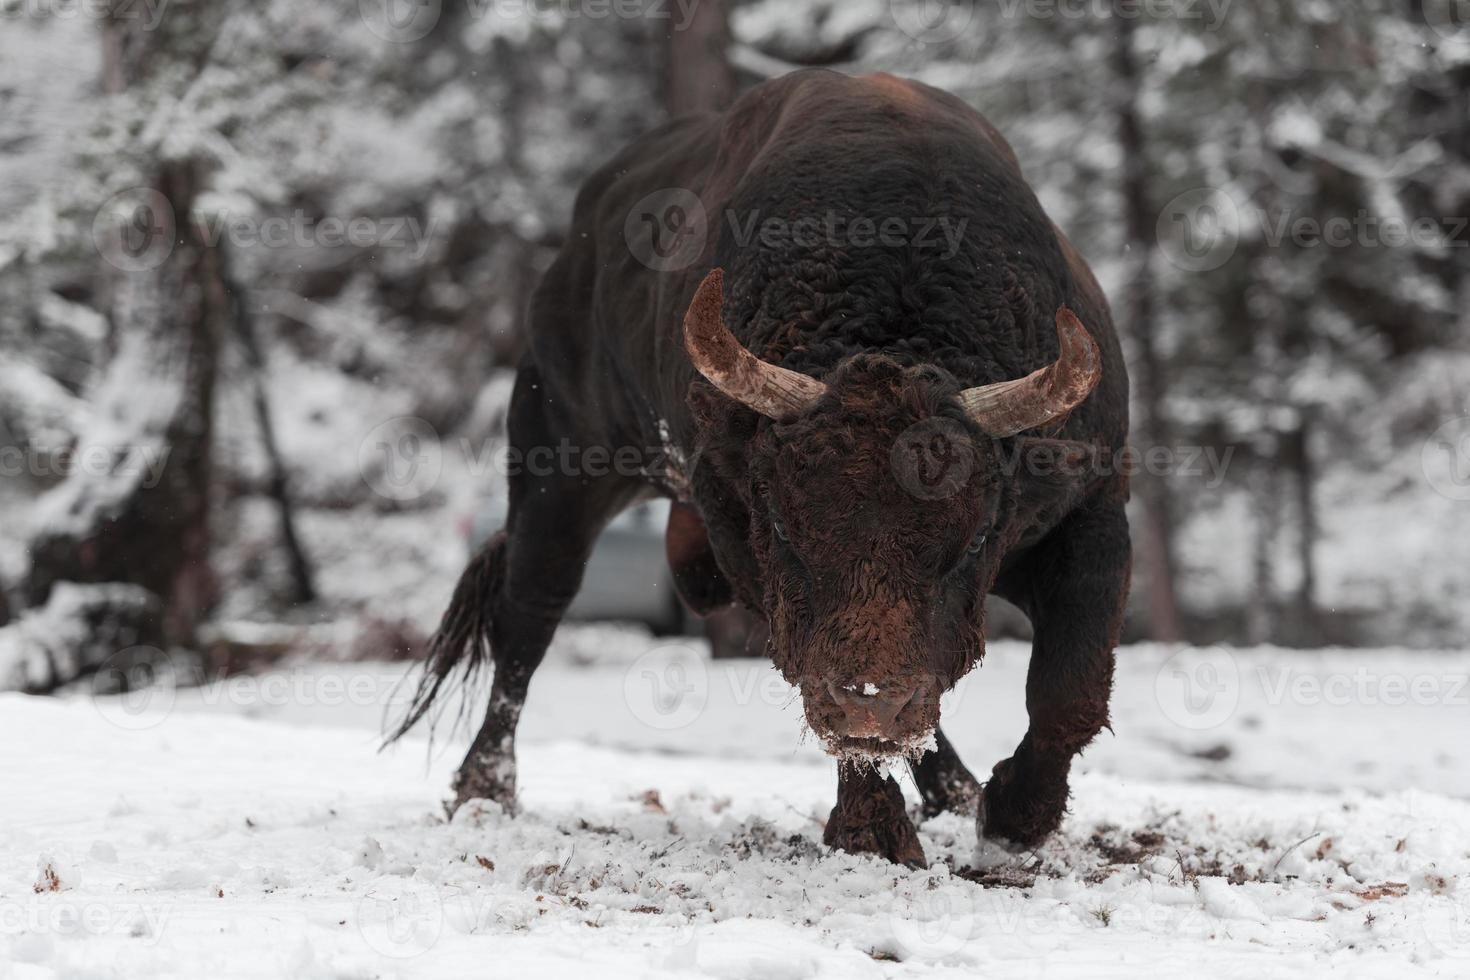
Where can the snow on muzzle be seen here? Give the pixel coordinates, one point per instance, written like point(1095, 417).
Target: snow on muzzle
point(873, 716)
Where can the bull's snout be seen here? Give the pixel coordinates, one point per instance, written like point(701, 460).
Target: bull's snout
point(870, 710)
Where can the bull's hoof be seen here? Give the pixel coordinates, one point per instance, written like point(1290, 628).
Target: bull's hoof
point(875, 822)
point(1019, 814)
point(496, 783)
point(959, 795)
point(944, 782)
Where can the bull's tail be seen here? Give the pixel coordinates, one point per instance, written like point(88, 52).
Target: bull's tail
point(460, 647)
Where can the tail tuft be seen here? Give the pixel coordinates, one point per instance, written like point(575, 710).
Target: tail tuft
point(460, 647)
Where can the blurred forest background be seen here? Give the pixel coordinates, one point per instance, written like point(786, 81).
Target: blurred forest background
point(1179, 145)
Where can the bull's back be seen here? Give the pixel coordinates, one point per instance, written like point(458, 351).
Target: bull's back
point(807, 141)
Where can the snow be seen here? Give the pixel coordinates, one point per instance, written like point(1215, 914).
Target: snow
point(1287, 815)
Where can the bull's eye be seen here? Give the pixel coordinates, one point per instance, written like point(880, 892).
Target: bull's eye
point(778, 528)
point(977, 543)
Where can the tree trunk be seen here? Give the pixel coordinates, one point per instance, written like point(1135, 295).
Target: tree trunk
point(143, 519)
point(303, 589)
point(699, 74)
point(1150, 385)
point(1261, 625)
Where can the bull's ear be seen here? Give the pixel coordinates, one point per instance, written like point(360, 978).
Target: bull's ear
point(1050, 475)
point(697, 577)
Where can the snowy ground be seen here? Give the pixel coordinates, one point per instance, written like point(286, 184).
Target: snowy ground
point(1256, 814)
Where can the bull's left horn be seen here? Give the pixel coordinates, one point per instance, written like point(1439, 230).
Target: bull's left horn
point(769, 389)
point(1011, 407)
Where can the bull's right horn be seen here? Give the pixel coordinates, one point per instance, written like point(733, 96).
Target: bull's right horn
point(772, 390)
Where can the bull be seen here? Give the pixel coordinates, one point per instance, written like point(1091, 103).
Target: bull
point(864, 431)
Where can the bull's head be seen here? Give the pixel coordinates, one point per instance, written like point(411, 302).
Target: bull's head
point(882, 503)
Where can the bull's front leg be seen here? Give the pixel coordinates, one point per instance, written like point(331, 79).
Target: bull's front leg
point(1074, 586)
point(870, 817)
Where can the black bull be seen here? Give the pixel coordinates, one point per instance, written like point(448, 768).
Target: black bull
point(917, 326)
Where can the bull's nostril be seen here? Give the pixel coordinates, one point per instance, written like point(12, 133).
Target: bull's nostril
point(851, 693)
point(870, 709)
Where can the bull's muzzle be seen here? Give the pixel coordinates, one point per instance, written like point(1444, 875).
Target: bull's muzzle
point(870, 710)
point(870, 714)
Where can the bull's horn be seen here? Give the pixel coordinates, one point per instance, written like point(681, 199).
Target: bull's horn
point(767, 388)
point(1012, 407)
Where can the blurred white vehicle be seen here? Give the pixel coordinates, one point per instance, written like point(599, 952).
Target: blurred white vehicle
point(627, 577)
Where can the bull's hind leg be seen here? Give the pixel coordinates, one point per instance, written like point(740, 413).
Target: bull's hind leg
point(1074, 588)
point(512, 596)
point(870, 818)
